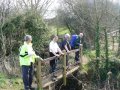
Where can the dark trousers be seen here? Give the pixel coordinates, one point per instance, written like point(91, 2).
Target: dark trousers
point(77, 56)
point(27, 75)
point(67, 58)
point(53, 63)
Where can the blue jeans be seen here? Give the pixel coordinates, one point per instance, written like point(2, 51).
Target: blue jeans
point(27, 75)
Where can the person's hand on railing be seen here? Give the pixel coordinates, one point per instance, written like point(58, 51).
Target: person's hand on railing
point(57, 55)
point(40, 58)
point(61, 53)
point(68, 52)
point(81, 44)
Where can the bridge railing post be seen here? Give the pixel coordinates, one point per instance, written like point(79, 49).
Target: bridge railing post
point(39, 74)
point(64, 68)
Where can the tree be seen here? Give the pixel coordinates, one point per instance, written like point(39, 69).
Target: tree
point(4, 11)
point(118, 53)
point(17, 22)
point(80, 16)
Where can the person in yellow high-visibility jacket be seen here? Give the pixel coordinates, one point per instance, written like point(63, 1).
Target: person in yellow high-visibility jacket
point(27, 58)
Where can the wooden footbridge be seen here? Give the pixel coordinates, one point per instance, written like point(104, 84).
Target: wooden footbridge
point(44, 81)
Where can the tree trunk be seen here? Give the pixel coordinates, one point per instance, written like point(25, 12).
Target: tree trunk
point(118, 53)
point(106, 49)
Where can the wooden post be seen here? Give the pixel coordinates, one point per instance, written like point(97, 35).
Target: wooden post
point(50, 87)
point(64, 68)
point(39, 78)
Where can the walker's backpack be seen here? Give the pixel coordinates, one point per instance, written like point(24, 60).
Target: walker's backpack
point(73, 40)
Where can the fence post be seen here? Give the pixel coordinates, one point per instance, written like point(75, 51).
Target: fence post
point(39, 78)
point(64, 68)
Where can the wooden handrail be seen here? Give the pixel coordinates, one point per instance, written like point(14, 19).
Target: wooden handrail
point(75, 50)
point(51, 58)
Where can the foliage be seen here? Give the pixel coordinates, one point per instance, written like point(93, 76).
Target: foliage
point(9, 82)
point(87, 16)
point(97, 39)
point(90, 54)
point(114, 65)
point(17, 27)
point(37, 28)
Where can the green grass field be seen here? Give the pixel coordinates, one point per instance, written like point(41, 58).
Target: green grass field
point(59, 31)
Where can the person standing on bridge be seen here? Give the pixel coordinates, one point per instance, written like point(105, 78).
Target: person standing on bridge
point(27, 58)
point(54, 50)
point(66, 46)
point(78, 43)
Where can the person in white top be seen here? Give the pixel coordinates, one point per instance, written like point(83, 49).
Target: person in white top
point(54, 50)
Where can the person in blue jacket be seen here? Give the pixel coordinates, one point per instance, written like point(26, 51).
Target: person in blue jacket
point(78, 42)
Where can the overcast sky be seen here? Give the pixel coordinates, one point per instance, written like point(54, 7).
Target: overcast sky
point(51, 12)
point(52, 9)
point(115, 1)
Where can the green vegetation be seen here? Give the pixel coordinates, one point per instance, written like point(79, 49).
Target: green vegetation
point(58, 30)
point(95, 18)
point(62, 31)
point(10, 83)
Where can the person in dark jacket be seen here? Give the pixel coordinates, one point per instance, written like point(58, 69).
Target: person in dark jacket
point(66, 46)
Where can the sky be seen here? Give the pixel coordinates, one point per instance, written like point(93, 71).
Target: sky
point(51, 12)
point(115, 1)
point(52, 9)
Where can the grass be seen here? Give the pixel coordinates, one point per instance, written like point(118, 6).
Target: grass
point(61, 31)
point(10, 83)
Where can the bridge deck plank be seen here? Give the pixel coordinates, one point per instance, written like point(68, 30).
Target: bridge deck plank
point(47, 80)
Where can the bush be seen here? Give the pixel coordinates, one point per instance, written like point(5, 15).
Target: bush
point(114, 67)
point(15, 29)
